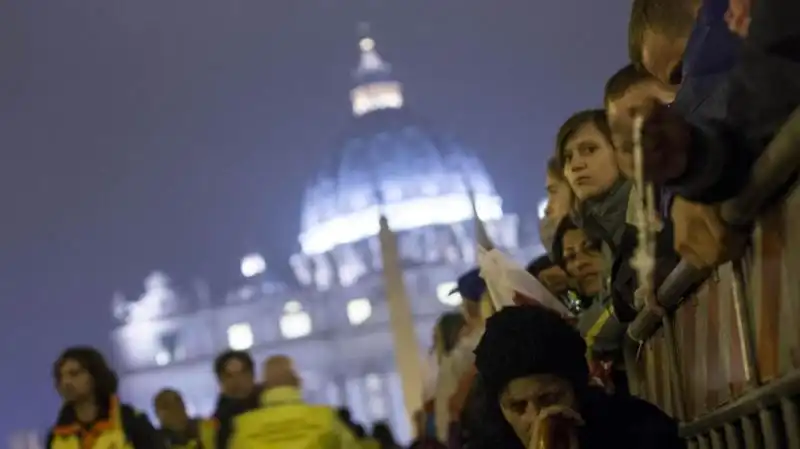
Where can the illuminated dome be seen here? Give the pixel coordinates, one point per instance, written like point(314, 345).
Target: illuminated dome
point(391, 162)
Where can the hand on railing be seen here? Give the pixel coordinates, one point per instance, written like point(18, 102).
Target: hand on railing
point(701, 237)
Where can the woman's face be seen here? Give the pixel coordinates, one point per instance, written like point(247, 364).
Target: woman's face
point(74, 381)
point(589, 162)
point(525, 397)
point(583, 262)
point(559, 198)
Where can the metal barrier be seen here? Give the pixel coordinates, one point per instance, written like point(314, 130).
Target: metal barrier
point(725, 360)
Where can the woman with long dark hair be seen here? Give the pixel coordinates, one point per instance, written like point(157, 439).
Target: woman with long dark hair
point(92, 415)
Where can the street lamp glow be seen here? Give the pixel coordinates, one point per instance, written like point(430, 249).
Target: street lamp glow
point(252, 265)
point(366, 44)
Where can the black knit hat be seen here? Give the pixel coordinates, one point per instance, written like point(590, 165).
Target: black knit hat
point(521, 341)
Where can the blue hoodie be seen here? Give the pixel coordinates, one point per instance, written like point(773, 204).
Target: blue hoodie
point(736, 94)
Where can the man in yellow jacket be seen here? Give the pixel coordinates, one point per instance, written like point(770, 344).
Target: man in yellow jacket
point(284, 420)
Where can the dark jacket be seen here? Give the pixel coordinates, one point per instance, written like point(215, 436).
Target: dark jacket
point(135, 425)
point(612, 421)
point(227, 409)
point(736, 95)
point(186, 439)
point(624, 278)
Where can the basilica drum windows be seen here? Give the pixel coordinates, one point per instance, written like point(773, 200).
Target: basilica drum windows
point(295, 322)
point(358, 311)
point(376, 400)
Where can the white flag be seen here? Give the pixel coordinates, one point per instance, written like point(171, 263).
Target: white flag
point(505, 279)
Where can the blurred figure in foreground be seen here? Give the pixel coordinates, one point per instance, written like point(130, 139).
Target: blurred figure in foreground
point(425, 439)
point(477, 306)
point(536, 391)
point(382, 433)
point(179, 430)
point(284, 420)
point(92, 415)
point(446, 335)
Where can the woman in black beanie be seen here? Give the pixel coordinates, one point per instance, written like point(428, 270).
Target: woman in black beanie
point(534, 383)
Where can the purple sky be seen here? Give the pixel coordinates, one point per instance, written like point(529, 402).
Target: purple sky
point(179, 134)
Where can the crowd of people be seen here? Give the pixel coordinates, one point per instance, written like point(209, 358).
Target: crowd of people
point(709, 84)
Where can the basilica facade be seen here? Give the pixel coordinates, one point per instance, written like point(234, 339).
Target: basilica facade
point(333, 318)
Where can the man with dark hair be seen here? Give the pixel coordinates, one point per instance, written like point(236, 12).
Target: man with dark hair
point(535, 379)
point(630, 92)
point(92, 414)
point(238, 391)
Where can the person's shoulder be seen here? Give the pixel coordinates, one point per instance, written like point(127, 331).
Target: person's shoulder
point(131, 413)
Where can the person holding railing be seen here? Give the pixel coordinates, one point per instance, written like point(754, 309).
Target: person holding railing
point(699, 236)
point(705, 147)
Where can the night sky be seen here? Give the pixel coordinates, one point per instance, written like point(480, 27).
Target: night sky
point(179, 135)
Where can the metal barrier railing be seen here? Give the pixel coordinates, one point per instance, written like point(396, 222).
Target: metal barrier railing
point(725, 360)
point(776, 166)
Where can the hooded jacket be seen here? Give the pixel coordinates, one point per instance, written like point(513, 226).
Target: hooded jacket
point(736, 95)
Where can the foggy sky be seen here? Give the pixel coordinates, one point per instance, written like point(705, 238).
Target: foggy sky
point(179, 135)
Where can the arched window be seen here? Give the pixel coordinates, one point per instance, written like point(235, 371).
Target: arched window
point(295, 322)
point(376, 402)
point(358, 311)
point(240, 337)
point(443, 294)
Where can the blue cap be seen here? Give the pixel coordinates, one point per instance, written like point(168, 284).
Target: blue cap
point(471, 286)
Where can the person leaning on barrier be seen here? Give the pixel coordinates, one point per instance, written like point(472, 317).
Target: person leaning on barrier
point(704, 148)
point(536, 393)
point(699, 236)
point(179, 430)
point(284, 420)
point(627, 93)
point(92, 415)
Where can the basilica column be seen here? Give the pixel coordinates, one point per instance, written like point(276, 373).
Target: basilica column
point(406, 347)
